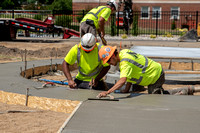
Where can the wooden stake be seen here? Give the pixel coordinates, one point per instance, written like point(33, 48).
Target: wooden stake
point(170, 64)
point(21, 70)
point(56, 52)
point(192, 65)
point(33, 71)
point(25, 64)
point(27, 95)
point(22, 55)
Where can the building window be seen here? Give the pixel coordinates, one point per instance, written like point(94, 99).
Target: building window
point(145, 12)
point(175, 12)
point(156, 10)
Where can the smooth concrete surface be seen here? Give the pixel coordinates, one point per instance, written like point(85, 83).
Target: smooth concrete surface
point(167, 51)
point(183, 77)
point(11, 81)
point(138, 114)
point(132, 113)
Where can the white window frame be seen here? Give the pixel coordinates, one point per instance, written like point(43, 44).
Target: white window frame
point(154, 10)
point(172, 16)
point(148, 12)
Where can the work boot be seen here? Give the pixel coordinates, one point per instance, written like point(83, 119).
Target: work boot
point(184, 91)
point(190, 90)
point(197, 89)
point(158, 91)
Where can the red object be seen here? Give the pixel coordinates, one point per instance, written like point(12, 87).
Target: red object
point(33, 25)
point(46, 23)
point(69, 32)
point(49, 20)
point(48, 83)
point(120, 22)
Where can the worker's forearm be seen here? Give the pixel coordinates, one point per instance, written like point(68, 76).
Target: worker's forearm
point(66, 71)
point(118, 85)
point(98, 30)
point(102, 73)
point(101, 25)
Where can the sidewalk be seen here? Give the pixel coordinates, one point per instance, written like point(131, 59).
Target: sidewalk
point(163, 43)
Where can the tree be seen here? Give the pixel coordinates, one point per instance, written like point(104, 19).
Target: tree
point(61, 5)
point(11, 4)
point(37, 4)
point(7, 4)
point(49, 2)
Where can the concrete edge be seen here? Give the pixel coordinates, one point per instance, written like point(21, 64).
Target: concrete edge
point(69, 118)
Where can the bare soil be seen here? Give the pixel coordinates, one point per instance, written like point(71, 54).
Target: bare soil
point(35, 121)
point(32, 121)
point(40, 121)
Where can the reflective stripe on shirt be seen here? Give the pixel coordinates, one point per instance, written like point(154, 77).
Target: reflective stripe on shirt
point(143, 67)
point(96, 14)
point(97, 69)
point(137, 80)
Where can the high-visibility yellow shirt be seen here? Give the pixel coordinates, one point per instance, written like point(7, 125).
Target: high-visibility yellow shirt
point(105, 13)
point(138, 69)
point(88, 62)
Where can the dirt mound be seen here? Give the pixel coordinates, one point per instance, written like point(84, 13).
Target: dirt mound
point(9, 51)
point(41, 53)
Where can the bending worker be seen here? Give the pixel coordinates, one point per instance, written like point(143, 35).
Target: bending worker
point(95, 19)
point(91, 69)
point(134, 69)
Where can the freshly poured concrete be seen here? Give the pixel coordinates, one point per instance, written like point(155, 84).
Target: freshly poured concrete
point(167, 51)
point(11, 81)
point(138, 114)
point(132, 113)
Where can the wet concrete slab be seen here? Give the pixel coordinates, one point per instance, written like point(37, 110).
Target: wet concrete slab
point(139, 113)
point(132, 113)
point(12, 81)
point(167, 51)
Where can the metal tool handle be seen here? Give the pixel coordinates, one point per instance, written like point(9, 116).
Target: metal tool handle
point(103, 40)
point(111, 98)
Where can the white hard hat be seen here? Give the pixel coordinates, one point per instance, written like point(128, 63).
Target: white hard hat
point(113, 3)
point(88, 42)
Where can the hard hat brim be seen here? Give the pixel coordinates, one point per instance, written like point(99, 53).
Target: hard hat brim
point(87, 49)
point(110, 55)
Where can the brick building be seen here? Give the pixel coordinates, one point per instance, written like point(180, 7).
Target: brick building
point(150, 5)
point(183, 12)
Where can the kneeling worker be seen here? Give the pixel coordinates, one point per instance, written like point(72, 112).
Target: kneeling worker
point(134, 69)
point(91, 69)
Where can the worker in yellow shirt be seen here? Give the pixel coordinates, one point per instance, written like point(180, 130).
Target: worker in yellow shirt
point(134, 69)
point(91, 69)
point(95, 19)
